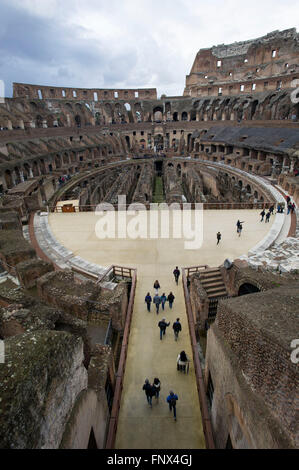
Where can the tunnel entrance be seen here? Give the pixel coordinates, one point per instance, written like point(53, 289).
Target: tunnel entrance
point(159, 167)
point(247, 289)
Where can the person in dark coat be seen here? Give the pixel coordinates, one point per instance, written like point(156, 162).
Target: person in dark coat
point(267, 217)
point(177, 327)
point(263, 213)
point(148, 301)
point(218, 237)
point(170, 299)
point(176, 274)
point(163, 325)
point(149, 391)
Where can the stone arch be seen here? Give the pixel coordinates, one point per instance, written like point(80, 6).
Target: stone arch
point(184, 116)
point(248, 287)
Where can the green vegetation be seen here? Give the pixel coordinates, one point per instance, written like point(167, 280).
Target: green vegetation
point(158, 195)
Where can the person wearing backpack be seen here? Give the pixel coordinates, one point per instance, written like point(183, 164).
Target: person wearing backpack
point(171, 400)
point(177, 327)
point(149, 391)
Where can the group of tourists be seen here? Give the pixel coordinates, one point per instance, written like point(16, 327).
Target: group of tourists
point(153, 389)
point(264, 215)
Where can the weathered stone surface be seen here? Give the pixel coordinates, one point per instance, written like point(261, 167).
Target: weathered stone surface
point(40, 380)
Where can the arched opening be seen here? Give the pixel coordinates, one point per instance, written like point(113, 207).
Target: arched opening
point(128, 142)
point(158, 114)
point(248, 188)
point(253, 108)
point(179, 170)
point(247, 288)
point(175, 116)
point(184, 116)
point(78, 120)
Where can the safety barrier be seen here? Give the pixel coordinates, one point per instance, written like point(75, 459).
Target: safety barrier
point(110, 441)
point(206, 420)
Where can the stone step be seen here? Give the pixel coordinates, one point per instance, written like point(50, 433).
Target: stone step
point(215, 290)
point(218, 295)
point(218, 283)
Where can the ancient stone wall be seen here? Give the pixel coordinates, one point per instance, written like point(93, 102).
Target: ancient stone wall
point(248, 357)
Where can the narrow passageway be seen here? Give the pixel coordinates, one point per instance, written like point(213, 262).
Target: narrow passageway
point(140, 426)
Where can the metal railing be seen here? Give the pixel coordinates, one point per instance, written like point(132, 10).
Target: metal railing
point(110, 441)
point(179, 206)
point(206, 419)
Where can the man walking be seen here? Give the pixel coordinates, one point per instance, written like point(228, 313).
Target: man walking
point(263, 213)
point(163, 325)
point(157, 301)
point(239, 229)
point(267, 217)
point(148, 301)
point(163, 299)
point(171, 400)
point(218, 237)
point(177, 327)
point(176, 274)
point(170, 299)
point(149, 391)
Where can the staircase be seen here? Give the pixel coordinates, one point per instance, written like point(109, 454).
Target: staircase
point(213, 284)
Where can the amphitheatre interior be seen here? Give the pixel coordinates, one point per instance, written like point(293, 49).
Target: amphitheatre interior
point(225, 151)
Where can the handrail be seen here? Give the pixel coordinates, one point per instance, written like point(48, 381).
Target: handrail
point(110, 441)
point(207, 425)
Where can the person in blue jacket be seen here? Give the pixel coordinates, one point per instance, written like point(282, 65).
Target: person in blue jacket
point(171, 400)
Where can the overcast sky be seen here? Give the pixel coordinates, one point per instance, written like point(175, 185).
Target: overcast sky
point(125, 43)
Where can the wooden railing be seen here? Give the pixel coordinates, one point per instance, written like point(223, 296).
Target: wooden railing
point(110, 441)
point(206, 420)
point(195, 269)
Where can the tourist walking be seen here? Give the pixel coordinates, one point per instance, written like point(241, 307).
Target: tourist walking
point(182, 362)
point(289, 208)
point(163, 299)
point(239, 225)
point(157, 387)
point(293, 207)
point(170, 299)
point(149, 391)
point(177, 327)
point(163, 325)
point(171, 400)
point(239, 229)
point(148, 301)
point(176, 274)
point(271, 210)
point(218, 237)
point(157, 301)
point(263, 213)
point(157, 286)
point(268, 217)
